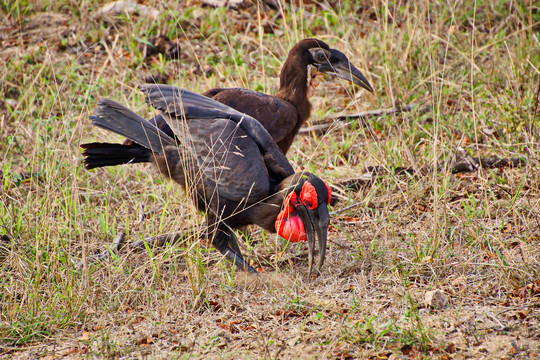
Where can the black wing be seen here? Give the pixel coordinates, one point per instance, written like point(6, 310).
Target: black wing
point(180, 103)
point(279, 117)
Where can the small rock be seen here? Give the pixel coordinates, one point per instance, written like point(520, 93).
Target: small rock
point(12, 103)
point(436, 299)
point(116, 8)
point(451, 348)
point(230, 4)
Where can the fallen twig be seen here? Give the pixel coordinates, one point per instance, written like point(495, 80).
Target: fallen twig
point(324, 125)
point(381, 112)
point(115, 246)
point(158, 240)
point(468, 164)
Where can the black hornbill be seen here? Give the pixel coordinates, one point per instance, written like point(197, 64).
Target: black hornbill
point(228, 164)
point(281, 115)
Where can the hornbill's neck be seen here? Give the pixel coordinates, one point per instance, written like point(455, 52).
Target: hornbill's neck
point(294, 89)
point(265, 213)
point(294, 85)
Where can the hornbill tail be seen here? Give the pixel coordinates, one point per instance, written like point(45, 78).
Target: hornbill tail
point(99, 154)
point(115, 117)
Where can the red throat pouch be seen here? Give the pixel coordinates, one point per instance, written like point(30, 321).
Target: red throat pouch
point(288, 223)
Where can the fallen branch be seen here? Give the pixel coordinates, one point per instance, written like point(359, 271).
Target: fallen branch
point(115, 246)
point(324, 125)
point(380, 112)
point(158, 240)
point(468, 164)
point(484, 163)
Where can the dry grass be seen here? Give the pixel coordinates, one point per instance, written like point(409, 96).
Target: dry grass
point(474, 236)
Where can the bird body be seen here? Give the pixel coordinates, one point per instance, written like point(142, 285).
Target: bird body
point(276, 113)
point(228, 164)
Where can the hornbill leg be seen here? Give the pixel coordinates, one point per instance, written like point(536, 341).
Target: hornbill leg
point(232, 243)
point(225, 241)
point(247, 235)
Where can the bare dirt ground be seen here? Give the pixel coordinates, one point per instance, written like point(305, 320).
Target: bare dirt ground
point(393, 239)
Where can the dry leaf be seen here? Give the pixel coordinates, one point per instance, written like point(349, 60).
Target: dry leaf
point(145, 341)
point(85, 336)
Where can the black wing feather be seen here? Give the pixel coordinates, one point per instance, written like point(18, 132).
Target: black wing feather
point(115, 117)
point(183, 103)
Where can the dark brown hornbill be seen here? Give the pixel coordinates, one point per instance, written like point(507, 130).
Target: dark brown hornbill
point(281, 115)
point(228, 164)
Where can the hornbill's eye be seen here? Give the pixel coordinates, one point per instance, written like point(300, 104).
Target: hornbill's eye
point(320, 56)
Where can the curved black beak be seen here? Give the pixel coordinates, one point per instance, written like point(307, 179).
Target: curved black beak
point(316, 226)
point(338, 65)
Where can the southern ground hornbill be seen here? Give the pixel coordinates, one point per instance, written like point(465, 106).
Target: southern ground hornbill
point(228, 164)
point(281, 115)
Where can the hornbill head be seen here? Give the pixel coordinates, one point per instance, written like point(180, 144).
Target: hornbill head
point(334, 62)
point(304, 216)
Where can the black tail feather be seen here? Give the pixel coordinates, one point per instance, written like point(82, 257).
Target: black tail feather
point(106, 154)
point(115, 117)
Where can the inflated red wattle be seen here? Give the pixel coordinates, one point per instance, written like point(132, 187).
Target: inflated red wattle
point(288, 224)
point(290, 227)
point(308, 195)
point(288, 205)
